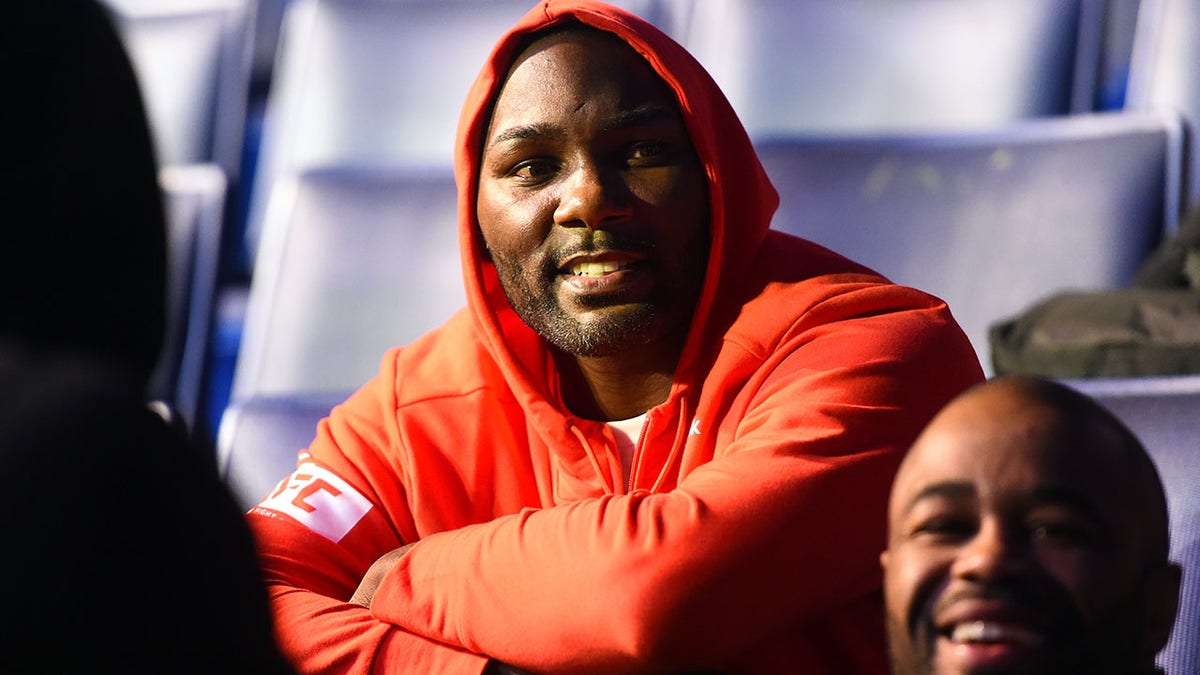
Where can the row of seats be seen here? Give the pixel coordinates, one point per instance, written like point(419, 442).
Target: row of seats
point(864, 65)
point(368, 82)
point(983, 219)
point(371, 83)
point(191, 60)
point(952, 145)
point(987, 220)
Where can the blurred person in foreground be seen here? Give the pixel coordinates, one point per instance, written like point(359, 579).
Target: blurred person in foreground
point(1028, 535)
point(660, 436)
point(123, 552)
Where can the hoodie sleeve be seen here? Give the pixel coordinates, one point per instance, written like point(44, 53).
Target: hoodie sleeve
point(783, 527)
point(318, 532)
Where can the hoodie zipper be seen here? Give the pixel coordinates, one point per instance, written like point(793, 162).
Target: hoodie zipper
point(637, 453)
point(677, 443)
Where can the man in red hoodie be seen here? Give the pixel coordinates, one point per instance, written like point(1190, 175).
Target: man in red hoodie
point(659, 438)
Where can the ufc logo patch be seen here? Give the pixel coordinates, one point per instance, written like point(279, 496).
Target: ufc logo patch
point(319, 500)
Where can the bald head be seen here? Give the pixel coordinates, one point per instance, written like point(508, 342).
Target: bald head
point(1027, 533)
point(1058, 426)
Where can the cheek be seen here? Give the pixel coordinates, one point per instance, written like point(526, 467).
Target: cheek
point(678, 211)
point(910, 572)
point(679, 190)
point(1091, 581)
point(510, 227)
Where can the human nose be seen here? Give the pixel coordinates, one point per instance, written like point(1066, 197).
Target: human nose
point(591, 199)
point(992, 554)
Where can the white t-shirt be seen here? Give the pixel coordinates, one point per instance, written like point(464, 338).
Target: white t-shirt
point(627, 432)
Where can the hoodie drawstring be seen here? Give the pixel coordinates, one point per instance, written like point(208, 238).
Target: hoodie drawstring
point(681, 429)
point(587, 450)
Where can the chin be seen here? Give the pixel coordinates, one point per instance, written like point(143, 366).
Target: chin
point(606, 333)
point(602, 343)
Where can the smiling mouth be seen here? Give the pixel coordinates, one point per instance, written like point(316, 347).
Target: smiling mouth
point(596, 269)
point(992, 632)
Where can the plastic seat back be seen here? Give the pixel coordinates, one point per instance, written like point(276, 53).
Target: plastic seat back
point(1163, 67)
point(839, 65)
point(260, 439)
point(192, 59)
point(989, 221)
point(194, 200)
point(1163, 412)
point(354, 261)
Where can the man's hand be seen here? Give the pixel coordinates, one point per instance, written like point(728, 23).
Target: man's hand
point(374, 576)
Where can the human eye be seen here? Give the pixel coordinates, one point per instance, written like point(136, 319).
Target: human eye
point(533, 170)
point(646, 152)
point(942, 524)
point(949, 528)
point(1060, 527)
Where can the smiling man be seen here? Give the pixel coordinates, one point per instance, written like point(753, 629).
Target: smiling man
point(594, 209)
point(1028, 535)
point(660, 436)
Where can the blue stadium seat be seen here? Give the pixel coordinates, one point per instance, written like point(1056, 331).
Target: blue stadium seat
point(1116, 52)
point(261, 437)
point(990, 221)
point(875, 65)
point(194, 201)
point(192, 59)
point(353, 261)
point(1165, 414)
point(1163, 68)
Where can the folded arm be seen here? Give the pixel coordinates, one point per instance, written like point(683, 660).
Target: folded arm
point(782, 526)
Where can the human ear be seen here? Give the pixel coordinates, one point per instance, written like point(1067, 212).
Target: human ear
point(1162, 601)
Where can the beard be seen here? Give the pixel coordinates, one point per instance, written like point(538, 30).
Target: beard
point(602, 325)
point(619, 327)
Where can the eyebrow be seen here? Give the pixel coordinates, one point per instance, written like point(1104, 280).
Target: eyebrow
point(949, 490)
point(1042, 495)
point(1054, 494)
point(644, 114)
point(526, 132)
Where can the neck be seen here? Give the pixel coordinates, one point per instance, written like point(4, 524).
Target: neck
point(620, 386)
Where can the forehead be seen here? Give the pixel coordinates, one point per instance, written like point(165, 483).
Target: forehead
point(1007, 450)
point(576, 70)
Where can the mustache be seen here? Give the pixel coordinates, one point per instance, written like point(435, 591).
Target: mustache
point(598, 241)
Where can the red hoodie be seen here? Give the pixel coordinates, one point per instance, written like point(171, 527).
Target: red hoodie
point(748, 536)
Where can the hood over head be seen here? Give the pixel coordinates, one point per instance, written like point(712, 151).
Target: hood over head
point(741, 198)
point(85, 263)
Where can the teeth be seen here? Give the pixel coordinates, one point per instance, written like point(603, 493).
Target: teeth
point(983, 631)
point(593, 269)
point(975, 631)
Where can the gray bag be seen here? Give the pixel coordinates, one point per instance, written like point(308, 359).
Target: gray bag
point(1151, 328)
